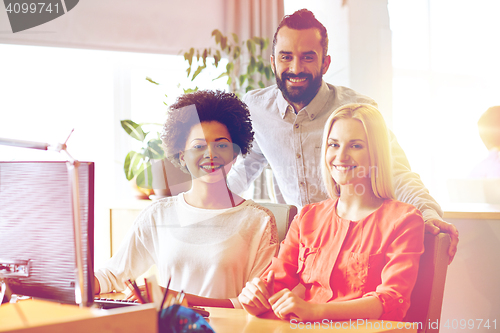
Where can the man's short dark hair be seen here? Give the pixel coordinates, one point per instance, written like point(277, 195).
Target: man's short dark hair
point(205, 106)
point(301, 20)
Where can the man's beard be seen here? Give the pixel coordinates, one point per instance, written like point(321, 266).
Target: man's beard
point(299, 94)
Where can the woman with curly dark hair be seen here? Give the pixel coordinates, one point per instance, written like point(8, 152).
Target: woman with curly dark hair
point(208, 240)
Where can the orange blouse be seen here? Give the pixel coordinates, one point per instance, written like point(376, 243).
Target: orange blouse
point(338, 260)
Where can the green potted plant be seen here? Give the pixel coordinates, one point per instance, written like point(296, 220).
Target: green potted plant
point(138, 163)
point(245, 69)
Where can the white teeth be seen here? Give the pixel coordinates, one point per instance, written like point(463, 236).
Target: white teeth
point(344, 168)
point(209, 167)
point(297, 80)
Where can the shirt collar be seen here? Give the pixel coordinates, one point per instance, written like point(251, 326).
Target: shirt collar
point(312, 109)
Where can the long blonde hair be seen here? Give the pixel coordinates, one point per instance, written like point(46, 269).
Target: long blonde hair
point(378, 148)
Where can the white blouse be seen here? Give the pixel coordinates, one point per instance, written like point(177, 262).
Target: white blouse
point(207, 252)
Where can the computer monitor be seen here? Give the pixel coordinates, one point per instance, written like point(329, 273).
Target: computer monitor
point(37, 242)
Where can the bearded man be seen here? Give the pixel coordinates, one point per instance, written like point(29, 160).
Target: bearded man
point(288, 120)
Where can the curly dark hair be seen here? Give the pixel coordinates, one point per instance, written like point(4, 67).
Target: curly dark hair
point(206, 105)
point(301, 20)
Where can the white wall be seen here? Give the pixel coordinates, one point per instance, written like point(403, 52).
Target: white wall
point(152, 26)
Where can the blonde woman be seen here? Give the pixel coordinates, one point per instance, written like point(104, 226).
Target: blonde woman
point(357, 253)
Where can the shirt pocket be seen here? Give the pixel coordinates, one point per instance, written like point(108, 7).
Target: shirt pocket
point(376, 263)
point(364, 271)
point(307, 258)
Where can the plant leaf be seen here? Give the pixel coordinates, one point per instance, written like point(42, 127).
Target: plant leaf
point(266, 43)
point(145, 176)
point(190, 90)
point(235, 38)
point(151, 80)
point(154, 151)
point(198, 71)
point(223, 42)
point(204, 57)
point(261, 84)
point(132, 162)
point(189, 56)
point(251, 66)
point(133, 129)
point(217, 58)
point(251, 46)
point(237, 52)
point(258, 41)
point(222, 75)
point(267, 71)
point(260, 66)
point(248, 89)
point(218, 36)
point(243, 77)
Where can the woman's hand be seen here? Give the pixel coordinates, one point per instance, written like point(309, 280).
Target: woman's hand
point(254, 297)
point(287, 305)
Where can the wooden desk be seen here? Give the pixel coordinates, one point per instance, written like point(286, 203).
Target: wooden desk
point(237, 320)
point(44, 316)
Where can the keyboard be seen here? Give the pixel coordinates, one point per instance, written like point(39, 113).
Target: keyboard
point(109, 303)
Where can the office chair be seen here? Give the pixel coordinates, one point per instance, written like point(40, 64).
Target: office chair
point(284, 215)
point(427, 296)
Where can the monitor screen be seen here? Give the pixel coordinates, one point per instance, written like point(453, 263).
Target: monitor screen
point(37, 244)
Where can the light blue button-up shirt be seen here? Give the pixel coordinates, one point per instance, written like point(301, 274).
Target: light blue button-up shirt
point(291, 144)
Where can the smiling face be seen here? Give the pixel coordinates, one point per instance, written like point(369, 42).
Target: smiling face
point(299, 65)
point(208, 149)
point(347, 155)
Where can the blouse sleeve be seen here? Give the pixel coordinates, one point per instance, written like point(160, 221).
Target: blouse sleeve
point(268, 248)
point(400, 271)
point(285, 265)
point(134, 256)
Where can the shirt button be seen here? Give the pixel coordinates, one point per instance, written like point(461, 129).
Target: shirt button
point(298, 156)
point(296, 125)
point(401, 300)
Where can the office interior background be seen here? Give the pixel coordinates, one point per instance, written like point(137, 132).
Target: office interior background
point(432, 66)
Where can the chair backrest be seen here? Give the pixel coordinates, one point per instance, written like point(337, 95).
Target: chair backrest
point(283, 214)
point(427, 296)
